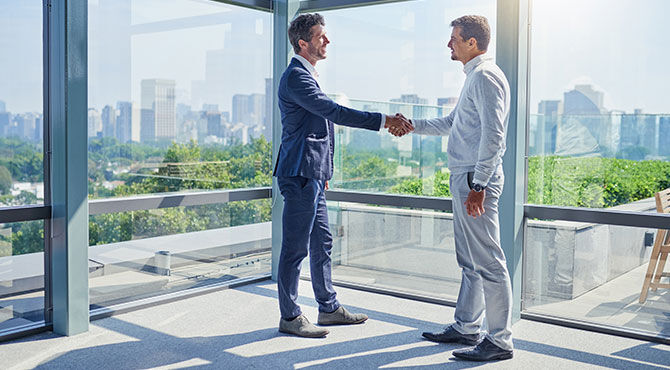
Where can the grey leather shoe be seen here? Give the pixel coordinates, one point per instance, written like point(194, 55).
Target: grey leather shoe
point(341, 317)
point(450, 335)
point(301, 327)
point(484, 351)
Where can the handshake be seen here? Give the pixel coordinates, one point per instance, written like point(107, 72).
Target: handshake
point(398, 125)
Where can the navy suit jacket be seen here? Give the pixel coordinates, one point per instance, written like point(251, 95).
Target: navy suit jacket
point(307, 117)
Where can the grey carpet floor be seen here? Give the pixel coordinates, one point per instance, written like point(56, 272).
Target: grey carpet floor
point(237, 329)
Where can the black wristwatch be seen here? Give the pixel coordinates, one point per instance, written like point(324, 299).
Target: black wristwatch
point(478, 188)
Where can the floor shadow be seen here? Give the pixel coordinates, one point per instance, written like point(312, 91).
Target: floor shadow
point(649, 352)
point(150, 348)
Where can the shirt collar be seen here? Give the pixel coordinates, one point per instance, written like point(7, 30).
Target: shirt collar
point(308, 65)
point(474, 62)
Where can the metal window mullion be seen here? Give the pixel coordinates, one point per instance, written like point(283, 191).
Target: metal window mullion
point(66, 113)
point(393, 200)
point(284, 12)
point(308, 6)
point(512, 38)
point(262, 5)
point(600, 216)
point(24, 213)
point(157, 201)
point(46, 161)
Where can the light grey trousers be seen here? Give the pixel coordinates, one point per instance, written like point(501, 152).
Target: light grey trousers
point(486, 290)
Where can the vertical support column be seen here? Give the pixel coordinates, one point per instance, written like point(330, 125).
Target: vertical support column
point(65, 113)
point(512, 43)
point(284, 12)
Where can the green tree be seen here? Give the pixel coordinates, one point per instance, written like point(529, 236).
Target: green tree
point(27, 237)
point(5, 180)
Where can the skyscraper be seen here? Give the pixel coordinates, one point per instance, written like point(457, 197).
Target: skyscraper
point(411, 99)
point(249, 109)
point(5, 119)
point(664, 136)
point(108, 118)
point(542, 139)
point(267, 119)
point(583, 99)
point(3, 106)
point(94, 122)
point(158, 110)
point(128, 122)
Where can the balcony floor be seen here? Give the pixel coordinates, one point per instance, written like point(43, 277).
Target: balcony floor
point(237, 328)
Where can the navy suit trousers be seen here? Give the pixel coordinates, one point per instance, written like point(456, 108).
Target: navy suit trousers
point(304, 230)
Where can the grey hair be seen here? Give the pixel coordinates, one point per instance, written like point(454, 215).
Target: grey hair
point(301, 28)
point(474, 26)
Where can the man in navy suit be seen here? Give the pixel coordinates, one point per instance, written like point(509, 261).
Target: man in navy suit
point(304, 166)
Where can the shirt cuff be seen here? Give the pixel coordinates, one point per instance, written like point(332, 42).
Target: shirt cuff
point(383, 122)
point(481, 179)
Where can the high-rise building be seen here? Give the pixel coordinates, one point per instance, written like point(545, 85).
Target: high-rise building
point(410, 99)
point(213, 123)
point(108, 118)
point(249, 109)
point(3, 106)
point(583, 112)
point(39, 128)
point(267, 119)
point(449, 102)
point(158, 121)
point(128, 122)
point(542, 136)
point(638, 133)
point(25, 126)
point(664, 136)
point(240, 107)
point(94, 122)
point(210, 107)
point(5, 119)
point(583, 99)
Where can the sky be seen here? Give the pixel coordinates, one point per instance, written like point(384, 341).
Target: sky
point(215, 50)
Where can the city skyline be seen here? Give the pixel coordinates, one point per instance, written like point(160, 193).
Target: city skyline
point(217, 50)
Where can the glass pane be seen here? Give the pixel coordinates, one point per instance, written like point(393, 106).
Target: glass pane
point(406, 250)
point(177, 96)
point(409, 71)
point(177, 102)
point(21, 274)
point(594, 273)
point(21, 118)
point(140, 254)
point(599, 125)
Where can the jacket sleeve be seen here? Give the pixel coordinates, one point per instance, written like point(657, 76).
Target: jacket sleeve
point(436, 126)
point(303, 90)
point(490, 104)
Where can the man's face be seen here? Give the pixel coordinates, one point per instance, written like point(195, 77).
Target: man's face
point(316, 48)
point(460, 49)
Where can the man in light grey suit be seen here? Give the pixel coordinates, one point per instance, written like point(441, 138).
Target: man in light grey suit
point(477, 128)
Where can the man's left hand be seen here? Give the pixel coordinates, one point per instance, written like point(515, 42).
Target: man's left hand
point(327, 186)
point(475, 203)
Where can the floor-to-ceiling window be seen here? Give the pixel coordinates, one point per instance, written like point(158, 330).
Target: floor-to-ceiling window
point(178, 115)
point(598, 137)
point(21, 164)
point(393, 58)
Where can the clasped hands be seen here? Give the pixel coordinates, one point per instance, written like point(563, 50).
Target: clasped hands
point(398, 125)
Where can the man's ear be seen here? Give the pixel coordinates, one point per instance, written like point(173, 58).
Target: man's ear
point(472, 42)
point(303, 44)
